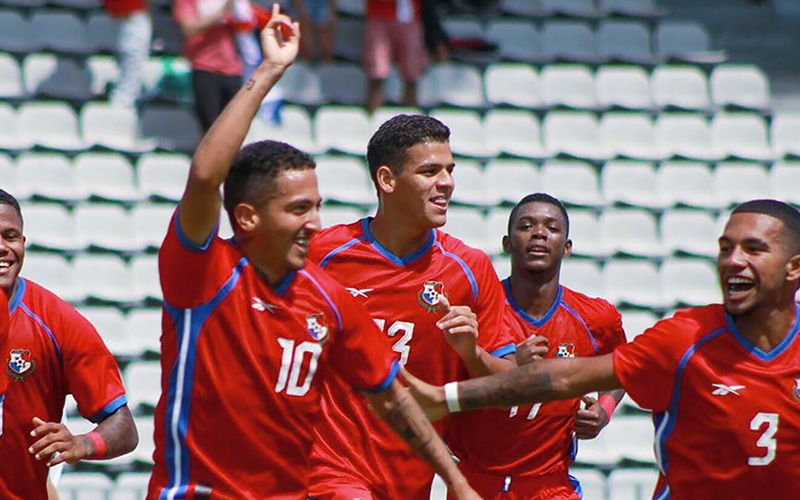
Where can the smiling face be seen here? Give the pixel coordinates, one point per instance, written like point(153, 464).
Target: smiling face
point(12, 247)
point(754, 263)
point(537, 240)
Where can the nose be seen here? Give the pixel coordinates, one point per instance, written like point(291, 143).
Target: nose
point(735, 258)
point(445, 180)
point(314, 224)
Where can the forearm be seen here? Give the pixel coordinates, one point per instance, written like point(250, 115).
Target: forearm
point(118, 432)
point(617, 394)
point(483, 363)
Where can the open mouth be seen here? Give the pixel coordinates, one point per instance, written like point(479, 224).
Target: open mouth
point(5, 266)
point(441, 201)
point(736, 286)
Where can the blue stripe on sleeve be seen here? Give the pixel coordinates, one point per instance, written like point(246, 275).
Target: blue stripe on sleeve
point(393, 371)
point(109, 409)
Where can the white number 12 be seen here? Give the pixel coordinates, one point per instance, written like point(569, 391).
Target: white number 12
point(767, 440)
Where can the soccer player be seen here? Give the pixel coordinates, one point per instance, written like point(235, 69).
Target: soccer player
point(723, 380)
point(250, 331)
point(51, 351)
point(529, 449)
point(3, 339)
point(407, 273)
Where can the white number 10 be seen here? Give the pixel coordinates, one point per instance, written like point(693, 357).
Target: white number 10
point(767, 440)
point(291, 364)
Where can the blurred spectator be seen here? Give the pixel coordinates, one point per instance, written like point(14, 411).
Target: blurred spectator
point(318, 26)
point(209, 46)
point(435, 36)
point(133, 47)
point(393, 33)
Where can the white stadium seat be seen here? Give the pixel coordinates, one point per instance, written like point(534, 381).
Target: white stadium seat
point(468, 225)
point(568, 41)
point(470, 183)
point(785, 134)
point(51, 226)
point(466, 132)
point(50, 124)
point(636, 322)
point(573, 182)
point(344, 179)
point(784, 177)
point(584, 231)
point(513, 84)
point(110, 323)
point(738, 182)
point(143, 383)
point(107, 176)
point(632, 484)
point(162, 176)
point(687, 183)
point(105, 227)
point(104, 278)
point(632, 183)
point(689, 282)
point(574, 133)
point(509, 180)
point(517, 40)
point(741, 135)
point(342, 83)
point(47, 175)
point(451, 84)
point(150, 223)
point(582, 275)
point(143, 329)
point(692, 232)
point(742, 86)
point(85, 486)
point(624, 41)
point(10, 78)
point(340, 129)
point(630, 135)
point(686, 136)
point(515, 133)
point(52, 272)
point(682, 87)
point(570, 85)
point(624, 87)
point(113, 127)
point(633, 282)
point(631, 232)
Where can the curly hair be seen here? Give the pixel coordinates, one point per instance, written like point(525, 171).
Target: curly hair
point(539, 198)
point(781, 211)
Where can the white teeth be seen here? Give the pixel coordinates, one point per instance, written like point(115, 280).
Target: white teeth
point(739, 281)
point(5, 265)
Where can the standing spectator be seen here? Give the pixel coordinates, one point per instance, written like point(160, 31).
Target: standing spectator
point(209, 46)
point(133, 47)
point(393, 34)
point(318, 25)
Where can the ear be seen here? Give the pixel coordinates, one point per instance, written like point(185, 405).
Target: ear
point(793, 268)
point(568, 248)
point(506, 245)
point(385, 179)
point(246, 217)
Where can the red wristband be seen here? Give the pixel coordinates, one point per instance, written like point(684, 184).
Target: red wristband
point(608, 403)
point(99, 443)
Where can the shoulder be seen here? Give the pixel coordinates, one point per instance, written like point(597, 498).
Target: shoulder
point(48, 308)
point(453, 247)
point(690, 326)
point(332, 240)
point(595, 311)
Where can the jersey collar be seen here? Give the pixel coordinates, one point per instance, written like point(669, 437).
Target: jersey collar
point(400, 261)
point(524, 315)
point(19, 291)
point(755, 351)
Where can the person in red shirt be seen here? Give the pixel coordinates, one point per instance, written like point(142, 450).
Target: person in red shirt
point(527, 453)
point(722, 380)
point(51, 351)
point(133, 47)
point(250, 330)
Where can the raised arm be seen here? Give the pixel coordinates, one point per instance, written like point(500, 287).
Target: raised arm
point(201, 201)
point(398, 408)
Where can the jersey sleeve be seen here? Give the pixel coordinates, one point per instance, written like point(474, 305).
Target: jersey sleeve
point(361, 354)
point(493, 332)
point(4, 322)
point(607, 328)
point(91, 371)
point(646, 367)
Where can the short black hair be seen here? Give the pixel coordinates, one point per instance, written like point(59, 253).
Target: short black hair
point(785, 213)
point(253, 174)
point(388, 145)
point(538, 198)
point(7, 198)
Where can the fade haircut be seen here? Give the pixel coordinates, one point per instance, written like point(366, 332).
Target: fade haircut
point(7, 198)
point(781, 211)
point(257, 165)
point(539, 198)
point(389, 144)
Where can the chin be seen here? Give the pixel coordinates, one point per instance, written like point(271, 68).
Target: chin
point(296, 262)
point(738, 309)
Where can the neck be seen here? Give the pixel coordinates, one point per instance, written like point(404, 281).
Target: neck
point(10, 290)
point(394, 235)
point(267, 270)
point(765, 328)
point(534, 293)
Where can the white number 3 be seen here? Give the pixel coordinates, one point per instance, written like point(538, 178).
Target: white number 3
point(767, 440)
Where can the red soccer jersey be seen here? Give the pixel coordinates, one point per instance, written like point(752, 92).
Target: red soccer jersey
point(3, 340)
point(536, 441)
point(51, 351)
point(241, 367)
point(402, 297)
point(726, 414)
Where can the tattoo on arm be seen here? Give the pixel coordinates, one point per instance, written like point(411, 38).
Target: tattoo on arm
point(250, 84)
point(529, 383)
point(410, 423)
point(119, 433)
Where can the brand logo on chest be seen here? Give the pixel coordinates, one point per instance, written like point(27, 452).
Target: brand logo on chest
point(20, 364)
point(429, 296)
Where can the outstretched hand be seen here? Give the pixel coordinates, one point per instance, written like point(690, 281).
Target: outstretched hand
point(280, 39)
point(532, 349)
point(429, 397)
point(590, 420)
point(460, 327)
point(56, 438)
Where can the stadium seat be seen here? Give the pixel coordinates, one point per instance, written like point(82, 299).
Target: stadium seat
point(351, 7)
point(687, 183)
point(452, 84)
point(10, 78)
point(631, 438)
point(105, 227)
point(509, 180)
point(692, 232)
point(584, 231)
point(517, 40)
point(50, 226)
point(295, 128)
point(685, 41)
point(142, 383)
point(568, 41)
point(110, 323)
point(104, 278)
point(130, 486)
point(50, 271)
point(463, 28)
point(150, 223)
point(15, 33)
point(102, 32)
point(468, 225)
point(162, 176)
point(349, 41)
point(470, 182)
point(623, 87)
point(738, 182)
point(345, 180)
point(686, 136)
point(784, 177)
point(47, 175)
point(630, 135)
point(636, 322)
point(85, 486)
point(571, 8)
point(48, 76)
point(633, 183)
point(785, 134)
point(632, 484)
point(624, 41)
point(689, 282)
point(144, 269)
point(340, 129)
point(466, 132)
point(50, 124)
point(683, 87)
point(596, 452)
point(385, 113)
point(502, 266)
point(496, 228)
point(144, 452)
point(630, 232)
point(514, 133)
point(167, 37)
point(573, 182)
point(104, 71)
point(632, 282)
point(8, 172)
point(582, 275)
point(592, 482)
point(171, 128)
point(12, 137)
point(112, 127)
point(331, 215)
point(59, 31)
point(574, 133)
point(740, 86)
point(741, 135)
point(77, 4)
point(521, 7)
point(513, 84)
point(301, 84)
point(342, 83)
point(569, 85)
point(633, 8)
point(143, 329)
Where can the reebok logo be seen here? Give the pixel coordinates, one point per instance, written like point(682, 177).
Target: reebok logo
point(724, 390)
point(355, 292)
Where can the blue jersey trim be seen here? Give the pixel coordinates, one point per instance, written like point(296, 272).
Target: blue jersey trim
point(387, 381)
point(471, 277)
point(39, 321)
point(775, 351)
point(188, 323)
point(662, 494)
point(576, 485)
point(665, 422)
point(284, 284)
point(109, 409)
point(527, 317)
point(504, 351)
point(19, 291)
point(324, 296)
point(189, 244)
point(400, 261)
point(342, 248)
point(588, 332)
point(2, 398)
